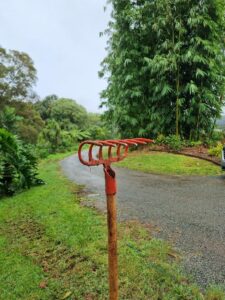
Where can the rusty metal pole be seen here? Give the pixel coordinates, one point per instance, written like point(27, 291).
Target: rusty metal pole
point(110, 189)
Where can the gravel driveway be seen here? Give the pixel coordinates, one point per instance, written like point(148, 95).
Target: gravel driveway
point(189, 210)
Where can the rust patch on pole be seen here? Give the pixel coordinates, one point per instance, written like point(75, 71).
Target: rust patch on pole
point(110, 189)
point(112, 247)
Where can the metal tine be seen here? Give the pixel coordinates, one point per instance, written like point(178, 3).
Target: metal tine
point(90, 157)
point(138, 141)
point(106, 143)
point(118, 150)
point(100, 156)
point(129, 142)
point(110, 151)
point(117, 142)
point(146, 140)
point(92, 144)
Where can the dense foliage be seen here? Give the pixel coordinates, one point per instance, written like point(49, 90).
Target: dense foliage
point(216, 150)
point(165, 67)
point(66, 123)
point(30, 125)
point(63, 110)
point(18, 165)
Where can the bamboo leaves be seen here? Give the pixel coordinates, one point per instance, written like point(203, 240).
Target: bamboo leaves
point(165, 66)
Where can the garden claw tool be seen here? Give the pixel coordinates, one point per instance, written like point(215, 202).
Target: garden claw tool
point(121, 147)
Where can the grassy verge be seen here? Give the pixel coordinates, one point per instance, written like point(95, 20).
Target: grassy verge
point(167, 163)
point(52, 248)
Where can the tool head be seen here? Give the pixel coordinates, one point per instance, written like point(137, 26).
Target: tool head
point(121, 146)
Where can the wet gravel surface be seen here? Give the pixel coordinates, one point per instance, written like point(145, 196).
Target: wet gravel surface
point(188, 210)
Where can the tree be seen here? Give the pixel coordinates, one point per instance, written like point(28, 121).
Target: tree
point(66, 112)
point(188, 66)
point(65, 124)
point(165, 66)
point(97, 128)
point(17, 76)
point(53, 139)
point(8, 119)
point(44, 107)
point(127, 91)
point(23, 120)
point(51, 136)
point(30, 123)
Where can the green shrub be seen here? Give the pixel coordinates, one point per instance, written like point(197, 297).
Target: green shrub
point(216, 151)
point(189, 143)
point(99, 133)
point(53, 139)
point(18, 164)
point(160, 140)
point(212, 141)
point(217, 135)
point(43, 150)
point(174, 142)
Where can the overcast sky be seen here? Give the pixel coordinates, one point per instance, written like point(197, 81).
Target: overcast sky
point(62, 38)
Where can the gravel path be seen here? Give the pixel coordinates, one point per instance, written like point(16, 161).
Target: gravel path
point(190, 212)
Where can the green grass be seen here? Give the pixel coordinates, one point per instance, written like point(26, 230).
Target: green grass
point(58, 156)
point(53, 248)
point(167, 163)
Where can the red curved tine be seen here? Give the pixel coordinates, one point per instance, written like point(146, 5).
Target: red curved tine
point(104, 143)
point(146, 140)
point(91, 161)
point(119, 143)
point(100, 159)
point(129, 142)
point(134, 141)
point(118, 153)
point(137, 141)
